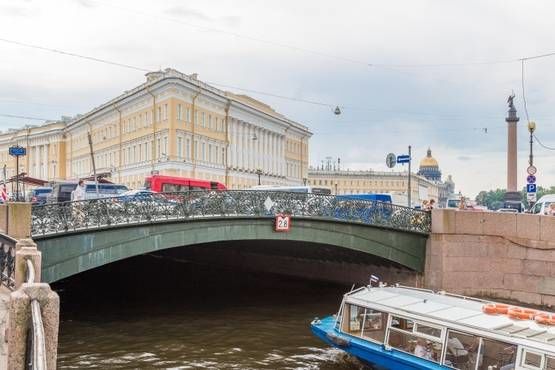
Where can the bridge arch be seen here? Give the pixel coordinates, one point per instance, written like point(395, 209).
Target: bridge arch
point(71, 253)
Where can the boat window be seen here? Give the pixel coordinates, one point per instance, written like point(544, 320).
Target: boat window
point(413, 344)
point(428, 330)
point(550, 363)
point(353, 317)
point(531, 360)
point(462, 350)
point(400, 323)
point(495, 353)
point(374, 325)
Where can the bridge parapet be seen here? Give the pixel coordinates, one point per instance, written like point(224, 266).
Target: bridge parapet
point(51, 219)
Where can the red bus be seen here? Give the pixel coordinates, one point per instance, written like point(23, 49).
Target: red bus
point(169, 184)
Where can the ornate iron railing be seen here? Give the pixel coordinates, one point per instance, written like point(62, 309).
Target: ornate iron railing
point(7, 261)
point(56, 218)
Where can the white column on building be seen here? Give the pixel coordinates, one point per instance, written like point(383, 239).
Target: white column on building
point(46, 150)
point(268, 153)
point(283, 161)
point(280, 155)
point(235, 143)
point(272, 153)
point(36, 167)
point(241, 147)
point(251, 147)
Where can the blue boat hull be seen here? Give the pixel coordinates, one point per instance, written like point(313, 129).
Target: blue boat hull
point(369, 352)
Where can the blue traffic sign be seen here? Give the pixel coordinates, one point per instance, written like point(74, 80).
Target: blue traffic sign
point(531, 179)
point(17, 151)
point(405, 158)
point(531, 188)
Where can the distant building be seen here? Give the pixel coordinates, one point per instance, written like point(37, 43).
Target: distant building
point(425, 184)
point(172, 124)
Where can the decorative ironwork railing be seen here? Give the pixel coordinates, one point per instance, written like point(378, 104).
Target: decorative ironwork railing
point(7, 261)
point(56, 218)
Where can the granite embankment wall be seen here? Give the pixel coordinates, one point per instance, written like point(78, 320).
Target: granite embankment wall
point(499, 255)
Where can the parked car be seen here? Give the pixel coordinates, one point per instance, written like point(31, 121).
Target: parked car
point(39, 195)
point(61, 192)
point(542, 205)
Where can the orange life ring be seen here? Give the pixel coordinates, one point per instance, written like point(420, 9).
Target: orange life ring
point(495, 308)
point(522, 313)
point(545, 318)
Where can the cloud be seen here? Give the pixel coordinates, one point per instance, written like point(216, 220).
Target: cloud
point(86, 3)
point(17, 11)
point(188, 13)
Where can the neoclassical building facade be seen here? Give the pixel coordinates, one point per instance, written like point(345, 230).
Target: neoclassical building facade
point(173, 124)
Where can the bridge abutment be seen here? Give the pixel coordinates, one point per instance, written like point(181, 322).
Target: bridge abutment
point(499, 255)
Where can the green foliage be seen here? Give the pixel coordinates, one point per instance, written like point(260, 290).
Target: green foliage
point(494, 199)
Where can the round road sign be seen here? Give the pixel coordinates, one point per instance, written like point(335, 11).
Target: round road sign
point(390, 160)
point(532, 170)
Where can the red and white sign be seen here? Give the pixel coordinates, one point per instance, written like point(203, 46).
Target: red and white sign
point(283, 223)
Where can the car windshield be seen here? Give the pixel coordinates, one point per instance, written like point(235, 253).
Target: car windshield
point(42, 191)
point(453, 203)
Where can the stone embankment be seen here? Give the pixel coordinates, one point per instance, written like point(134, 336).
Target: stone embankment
point(499, 255)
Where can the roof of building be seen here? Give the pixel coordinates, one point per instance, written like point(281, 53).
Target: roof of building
point(455, 309)
point(428, 160)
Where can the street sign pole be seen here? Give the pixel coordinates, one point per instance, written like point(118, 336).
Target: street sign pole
point(410, 159)
point(17, 178)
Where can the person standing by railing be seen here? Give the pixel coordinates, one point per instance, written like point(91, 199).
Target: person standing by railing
point(77, 197)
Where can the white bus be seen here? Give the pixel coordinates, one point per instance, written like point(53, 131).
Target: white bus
point(293, 189)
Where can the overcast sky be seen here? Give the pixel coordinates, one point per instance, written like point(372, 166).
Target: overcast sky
point(404, 72)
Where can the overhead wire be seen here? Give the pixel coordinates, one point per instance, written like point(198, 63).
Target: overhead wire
point(24, 117)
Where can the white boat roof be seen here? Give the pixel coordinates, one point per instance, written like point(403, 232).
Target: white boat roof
point(454, 311)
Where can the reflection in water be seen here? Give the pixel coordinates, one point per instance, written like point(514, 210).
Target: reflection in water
point(148, 313)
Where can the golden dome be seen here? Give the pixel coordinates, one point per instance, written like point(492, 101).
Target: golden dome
point(428, 160)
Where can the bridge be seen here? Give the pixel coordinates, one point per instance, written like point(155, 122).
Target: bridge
point(78, 236)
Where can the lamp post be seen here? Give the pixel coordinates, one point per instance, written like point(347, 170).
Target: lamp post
point(259, 173)
point(531, 129)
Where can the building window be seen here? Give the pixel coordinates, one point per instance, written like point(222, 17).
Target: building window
point(210, 153)
point(203, 152)
point(158, 148)
point(188, 148)
point(166, 146)
point(180, 147)
point(165, 111)
point(179, 110)
point(188, 115)
point(223, 155)
point(210, 121)
point(202, 122)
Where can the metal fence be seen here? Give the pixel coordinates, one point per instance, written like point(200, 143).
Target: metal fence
point(7, 261)
point(140, 208)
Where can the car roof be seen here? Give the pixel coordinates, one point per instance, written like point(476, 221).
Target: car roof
point(547, 198)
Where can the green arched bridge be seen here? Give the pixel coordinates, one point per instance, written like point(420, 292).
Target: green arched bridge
point(79, 236)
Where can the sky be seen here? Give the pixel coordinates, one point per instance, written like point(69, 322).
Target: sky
point(426, 73)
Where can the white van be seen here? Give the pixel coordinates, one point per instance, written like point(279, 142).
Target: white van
point(542, 206)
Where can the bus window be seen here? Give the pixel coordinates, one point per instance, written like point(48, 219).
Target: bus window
point(147, 185)
point(170, 188)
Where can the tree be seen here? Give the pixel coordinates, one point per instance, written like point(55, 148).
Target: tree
point(493, 199)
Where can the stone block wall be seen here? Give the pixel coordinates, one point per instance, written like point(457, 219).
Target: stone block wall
point(499, 255)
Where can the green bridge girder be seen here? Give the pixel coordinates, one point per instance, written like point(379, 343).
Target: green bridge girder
point(67, 254)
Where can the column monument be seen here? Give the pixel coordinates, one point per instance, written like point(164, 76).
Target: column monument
point(512, 194)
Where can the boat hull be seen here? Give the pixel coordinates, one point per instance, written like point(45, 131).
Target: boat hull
point(368, 352)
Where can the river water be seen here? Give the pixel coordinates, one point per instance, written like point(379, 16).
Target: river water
point(149, 313)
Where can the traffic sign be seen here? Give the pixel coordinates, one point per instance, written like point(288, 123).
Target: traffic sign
point(531, 179)
point(532, 170)
point(17, 151)
point(531, 197)
point(283, 223)
point(404, 158)
point(531, 188)
point(390, 160)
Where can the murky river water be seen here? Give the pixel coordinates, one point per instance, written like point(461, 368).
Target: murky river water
point(194, 317)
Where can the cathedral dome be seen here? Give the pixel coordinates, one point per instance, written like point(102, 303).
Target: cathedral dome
point(428, 160)
point(429, 168)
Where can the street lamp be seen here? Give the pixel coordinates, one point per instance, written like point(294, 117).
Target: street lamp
point(259, 173)
point(531, 129)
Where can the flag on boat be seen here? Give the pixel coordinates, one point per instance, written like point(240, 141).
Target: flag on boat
point(374, 279)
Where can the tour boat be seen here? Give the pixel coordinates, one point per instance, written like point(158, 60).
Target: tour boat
point(397, 327)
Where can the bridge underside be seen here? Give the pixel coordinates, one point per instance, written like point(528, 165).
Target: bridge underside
point(247, 241)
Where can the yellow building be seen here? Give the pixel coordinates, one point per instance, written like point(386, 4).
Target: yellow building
point(173, 124)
